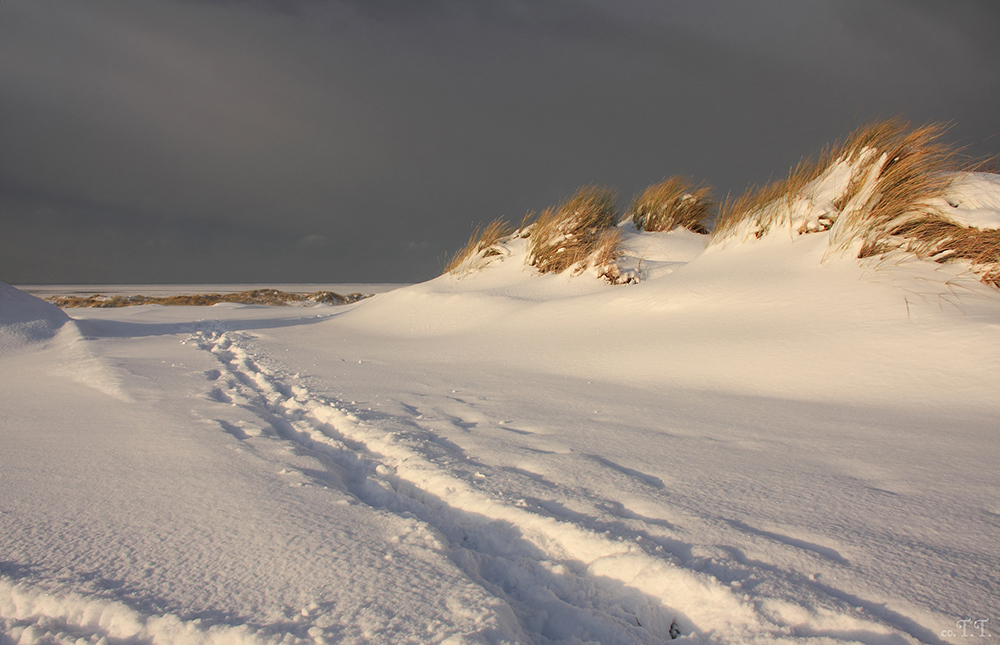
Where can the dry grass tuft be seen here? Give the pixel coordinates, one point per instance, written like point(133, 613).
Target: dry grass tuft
point(607, 252)
point(671, 203)
point(481, 246)
point(913, 171)
point(941, 240)
point(901, 167)
point(574, 235)
point(989, 165)
point(897, 184)
point(527, 223)
point(758, 210)
point(898, 173)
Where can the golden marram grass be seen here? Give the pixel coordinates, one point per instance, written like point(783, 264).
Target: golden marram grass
point(569, 235)
point(674, 202)
point(899, 174)
point(888, 182)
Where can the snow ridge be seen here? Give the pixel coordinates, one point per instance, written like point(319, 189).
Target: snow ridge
point(30, 615)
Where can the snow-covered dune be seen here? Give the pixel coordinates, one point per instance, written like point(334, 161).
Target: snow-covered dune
point(780, 317)
point(765, 439)
point(25, 319)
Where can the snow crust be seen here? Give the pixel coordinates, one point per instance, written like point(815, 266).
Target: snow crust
point(757, 443)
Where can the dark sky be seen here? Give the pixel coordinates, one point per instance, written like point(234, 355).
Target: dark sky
point(361, 140)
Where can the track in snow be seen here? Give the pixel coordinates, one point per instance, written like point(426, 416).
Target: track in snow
point(542, 567)
point(564, 574)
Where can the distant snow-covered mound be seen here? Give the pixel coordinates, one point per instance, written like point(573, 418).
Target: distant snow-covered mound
point(25, 319)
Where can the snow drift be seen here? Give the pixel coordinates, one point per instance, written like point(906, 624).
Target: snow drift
point(26, 320)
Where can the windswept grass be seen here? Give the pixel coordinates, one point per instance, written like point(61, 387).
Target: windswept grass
point(758, 210)
point(577, 234)
point(895, 172)
point(942, 240)
point(674, 202)
point(880, 190)
point(607, 252)
point(897, 176)
point(480, 247)
point(908, 171)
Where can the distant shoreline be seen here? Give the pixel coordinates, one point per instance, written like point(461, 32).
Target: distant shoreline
point(167, 290)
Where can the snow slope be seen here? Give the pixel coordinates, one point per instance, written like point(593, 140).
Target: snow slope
point(759, 442)
point(26, 320)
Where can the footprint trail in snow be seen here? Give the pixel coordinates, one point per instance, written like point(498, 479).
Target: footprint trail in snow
point(562, 576)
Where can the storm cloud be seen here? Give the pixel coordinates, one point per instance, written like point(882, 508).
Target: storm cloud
point(324, 141)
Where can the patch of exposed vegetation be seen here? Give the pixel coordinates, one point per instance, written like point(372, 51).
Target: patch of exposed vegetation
point(674, 202)
point(577, 235)
point(896, 176)
point(272, 297)
point(484, 245)
point(880, 191)
point(895, 173)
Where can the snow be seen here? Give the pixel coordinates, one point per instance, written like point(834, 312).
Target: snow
point(758, 442)
point(25, 320)
point(973, 199)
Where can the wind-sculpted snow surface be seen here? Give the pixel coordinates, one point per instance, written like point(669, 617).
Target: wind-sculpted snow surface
point(757, 443)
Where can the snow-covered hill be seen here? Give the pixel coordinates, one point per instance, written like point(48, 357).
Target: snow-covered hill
point(784, 432)
point(758, 442)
